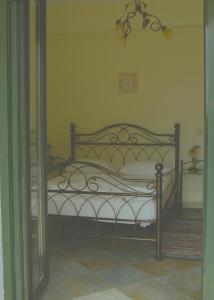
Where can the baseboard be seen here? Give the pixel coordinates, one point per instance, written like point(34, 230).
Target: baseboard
point(192, 205)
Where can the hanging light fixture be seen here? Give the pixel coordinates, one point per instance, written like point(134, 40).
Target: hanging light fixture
point(148, 20)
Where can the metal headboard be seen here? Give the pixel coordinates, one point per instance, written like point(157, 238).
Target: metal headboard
point(126, 139)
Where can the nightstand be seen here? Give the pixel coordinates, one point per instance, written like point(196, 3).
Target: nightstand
point(188, 168)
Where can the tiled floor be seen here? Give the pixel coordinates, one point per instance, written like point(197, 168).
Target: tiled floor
point(90, 269)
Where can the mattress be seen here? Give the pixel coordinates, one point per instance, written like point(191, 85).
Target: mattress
point(101, 200)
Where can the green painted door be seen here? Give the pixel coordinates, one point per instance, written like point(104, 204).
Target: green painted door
point(208, 266)
point(14, 187)
point(23, 147)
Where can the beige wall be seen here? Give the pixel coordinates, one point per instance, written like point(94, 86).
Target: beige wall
point(86, 56)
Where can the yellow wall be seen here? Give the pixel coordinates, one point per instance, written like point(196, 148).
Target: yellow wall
point(86, 56)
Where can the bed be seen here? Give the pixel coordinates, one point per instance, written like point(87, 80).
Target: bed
point(118, 182)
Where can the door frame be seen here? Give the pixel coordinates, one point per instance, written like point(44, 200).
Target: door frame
point(17, 272)
point(41, 90)
point(14, 190)
point(208, 264)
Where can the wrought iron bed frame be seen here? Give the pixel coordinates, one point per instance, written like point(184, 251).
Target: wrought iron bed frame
point(136, 141)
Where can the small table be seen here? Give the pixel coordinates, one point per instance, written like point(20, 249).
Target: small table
point(190, 168)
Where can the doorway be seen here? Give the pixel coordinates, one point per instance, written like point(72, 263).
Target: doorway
point(73, 47)
point(209, 245)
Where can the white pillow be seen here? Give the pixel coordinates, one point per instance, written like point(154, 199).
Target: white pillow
point(140, 168)
point(89, 169)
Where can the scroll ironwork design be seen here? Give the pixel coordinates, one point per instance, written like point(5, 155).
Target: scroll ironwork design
point(122, 142)
point(124, 134)
point(90, 177)
point(121, 195)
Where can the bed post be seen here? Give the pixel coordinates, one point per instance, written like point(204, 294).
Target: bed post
point(73, 141)
point(159, 195)
point(177, 165)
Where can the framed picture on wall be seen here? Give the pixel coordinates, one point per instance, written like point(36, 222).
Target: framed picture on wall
point(128, 83)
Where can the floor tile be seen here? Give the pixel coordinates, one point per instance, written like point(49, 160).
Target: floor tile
point(112, 294)
point(84, 285)
point(99, 262)
point(152, 290)
point(56, 283)
point(87, 268)
point(133, 255)
point(54, 297)
point(158, 268)
point(149, 246)
point(186, 281)
point(115, 245)
point(57, 295)
point(69, 268)
point(122, 275)
point(86, 251)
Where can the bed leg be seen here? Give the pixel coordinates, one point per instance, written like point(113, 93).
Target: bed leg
point(177, 167)
point(158, 243)
point(159, 177)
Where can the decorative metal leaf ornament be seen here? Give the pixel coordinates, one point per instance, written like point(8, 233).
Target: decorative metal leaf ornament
point(149, 20)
